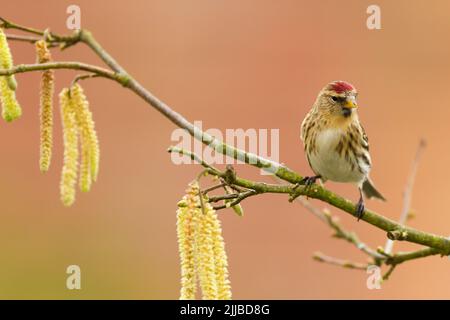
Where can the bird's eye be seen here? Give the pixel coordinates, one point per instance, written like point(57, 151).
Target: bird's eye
point(335, 99)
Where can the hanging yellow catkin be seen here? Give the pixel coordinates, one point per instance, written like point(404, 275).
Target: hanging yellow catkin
point(85, 172)
point(70, 133)
point(202, 249)
point(10, 107)
point(46, 107)
point(80, 115)
point(220, 256)
point(6, 61)
point(205, 256)
point(185, 232)
point(90, 151)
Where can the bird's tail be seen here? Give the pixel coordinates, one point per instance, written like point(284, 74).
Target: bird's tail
point(370, 191)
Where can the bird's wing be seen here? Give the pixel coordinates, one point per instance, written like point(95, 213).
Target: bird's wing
point(365, 138)
point(305, 126)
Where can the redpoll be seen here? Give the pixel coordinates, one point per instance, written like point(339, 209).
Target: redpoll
point(335, 143)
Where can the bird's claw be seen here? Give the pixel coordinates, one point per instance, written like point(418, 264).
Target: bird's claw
point(309, 181)
point(306, 181)
point(360, 209)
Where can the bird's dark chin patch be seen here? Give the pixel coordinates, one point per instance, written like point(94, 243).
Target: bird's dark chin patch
point(346, 112)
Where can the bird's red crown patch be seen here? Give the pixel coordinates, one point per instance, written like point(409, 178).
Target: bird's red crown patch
point(341, 86)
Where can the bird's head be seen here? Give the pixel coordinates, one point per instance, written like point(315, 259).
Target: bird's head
point(338, 99)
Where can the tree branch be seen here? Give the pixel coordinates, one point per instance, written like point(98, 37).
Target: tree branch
point(101, 72)
point(437, 244)
point(379, 256)
point(86, 37)
point(317, 192)
point(406, 256)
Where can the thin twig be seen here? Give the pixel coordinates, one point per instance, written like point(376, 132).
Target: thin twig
point(51, 37)
point(223, 197)
point(83, 77)
point(341, 233)
point(16, 37)
point(389, 272)
point(238, 199)
point(233, 187)
point(70, 65)
point(318, 256)
point(29, 39)
point(193, 157)
point(205, 191)
point(407, 194)
point(6, 24)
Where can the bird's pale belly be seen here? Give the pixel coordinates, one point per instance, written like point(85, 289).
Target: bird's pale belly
point(327, 162)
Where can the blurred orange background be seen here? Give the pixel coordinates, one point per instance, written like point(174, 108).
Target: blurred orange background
point(231, 64)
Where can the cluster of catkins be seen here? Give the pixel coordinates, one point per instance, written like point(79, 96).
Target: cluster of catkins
point(78, 125)
point(201, 245)
point(202, 249)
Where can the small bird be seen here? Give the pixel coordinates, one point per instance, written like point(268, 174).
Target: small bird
point(336, 146)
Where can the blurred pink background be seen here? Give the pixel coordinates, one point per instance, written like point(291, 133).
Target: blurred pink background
point(231, 64)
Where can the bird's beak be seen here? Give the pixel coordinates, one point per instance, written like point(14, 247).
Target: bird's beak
point(350, 103)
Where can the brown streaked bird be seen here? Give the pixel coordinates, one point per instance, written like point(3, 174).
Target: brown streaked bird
point(336, 145)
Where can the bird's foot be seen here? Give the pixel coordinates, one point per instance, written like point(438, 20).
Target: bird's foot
point(306, 181)
point(360, 208)
point(309, 181)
